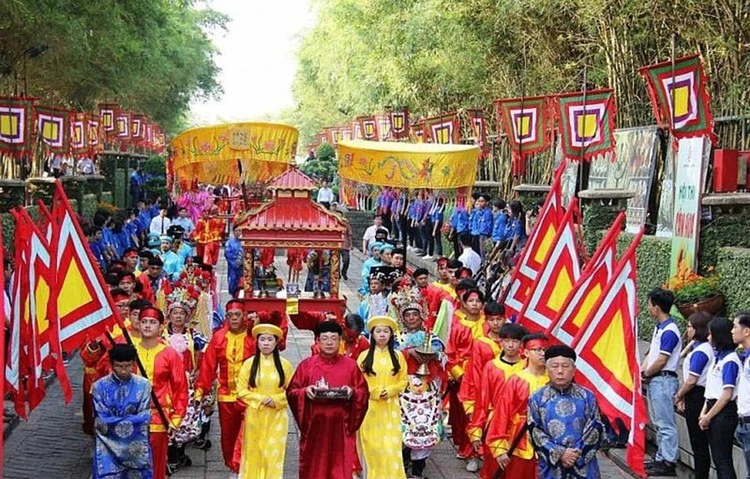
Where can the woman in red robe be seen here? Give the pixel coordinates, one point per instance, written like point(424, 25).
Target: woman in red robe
point(327, 443)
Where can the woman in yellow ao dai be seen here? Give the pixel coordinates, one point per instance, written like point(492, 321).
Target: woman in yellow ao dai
point(261, 385)
point(379, 440)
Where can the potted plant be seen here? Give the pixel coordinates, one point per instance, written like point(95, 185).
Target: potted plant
point(694, 293)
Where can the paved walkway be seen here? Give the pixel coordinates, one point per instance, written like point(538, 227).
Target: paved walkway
point(51, 444)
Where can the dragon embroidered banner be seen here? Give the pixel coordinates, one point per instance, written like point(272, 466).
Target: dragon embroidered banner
point(408, 165)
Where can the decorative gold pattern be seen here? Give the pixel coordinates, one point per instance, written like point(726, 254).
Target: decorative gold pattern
point(335, 269)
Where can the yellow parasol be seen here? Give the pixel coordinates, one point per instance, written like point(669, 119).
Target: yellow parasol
point(209, 154)
point(408, 165)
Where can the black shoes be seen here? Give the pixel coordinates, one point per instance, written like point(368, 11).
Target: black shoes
point(661, 469)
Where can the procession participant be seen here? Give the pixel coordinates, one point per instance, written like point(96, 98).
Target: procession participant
point(186, 223)
point(327, 424)
point(130, 256)
point(421, 409)
point(164, 370)
point(374, 303)
point(444, 277)
point(172, 262)
point(507, 435)
point(386, 253)
point(465, 284)
point(386, 375)
point(121, 403)
point(467, 325)
point(439, 303)
point(229, 347)
point(152, 280)
point(369, 236)
point(127, 284)
point(161, 223)
point(483, 349)
point(261, 386)
point(493, 377)
point(234, 255)
point(143, 256)
point(564, 422)
point(190, 344)
point(353, 343)
point(398, 261)
point(373, 260)
point(95, 360)
point(207, 236)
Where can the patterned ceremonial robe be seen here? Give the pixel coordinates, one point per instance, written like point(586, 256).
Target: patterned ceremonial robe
point(327, 425)
point(225, 352)
point(173, 264)
point(565, 419)
point(207, 235)
point(509, 417)
point(122, 410)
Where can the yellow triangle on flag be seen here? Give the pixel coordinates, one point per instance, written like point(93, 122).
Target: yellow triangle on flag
point(611, 350)
point(73, 293)
point(42, 299)
point(563, 287)
point(587, 305)
point(545, 244)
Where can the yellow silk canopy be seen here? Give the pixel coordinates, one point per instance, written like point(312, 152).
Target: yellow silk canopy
point(408, 165)
point(209, 154)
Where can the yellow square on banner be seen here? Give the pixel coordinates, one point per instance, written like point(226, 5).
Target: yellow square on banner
point(50, 130)
point(107, 119)
point(523, 125)
point(587, 125)
point(443, 136)
point(681, 101)
point(8, 125)
point(292, 305)
point(398, 122)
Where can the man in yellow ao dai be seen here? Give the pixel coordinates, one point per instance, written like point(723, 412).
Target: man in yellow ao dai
point(379, 440)
point(261, 386)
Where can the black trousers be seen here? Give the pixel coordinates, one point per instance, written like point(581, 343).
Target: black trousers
point(721, 439)
point(344, 262)
point(698, 438)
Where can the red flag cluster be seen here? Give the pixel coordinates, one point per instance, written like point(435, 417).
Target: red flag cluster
point(591, 308)
point(74, 133)
point(58, 300)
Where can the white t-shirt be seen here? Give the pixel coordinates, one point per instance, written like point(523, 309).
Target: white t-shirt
point(471, 260)
point(722, 374)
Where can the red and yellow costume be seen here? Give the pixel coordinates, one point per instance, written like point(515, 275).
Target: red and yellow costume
point(434, 298)
point(447, 287)
point(164, 369)
point(225, 353)
point(483, 350)
point(460, 342)
point(208, 233)
point(509, 417)
point(489, 393)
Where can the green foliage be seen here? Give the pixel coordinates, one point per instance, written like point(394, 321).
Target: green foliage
point(107, 197)
point(9, 232)
point(156, 165)
point(11, 196)
point(324, 166)
point(596, 219)
point(441, 55)
point(724, 230)
point(90, 205)
point(652, 261)
point(152, 57)
point(697, 289)
point(325, 152)
point(734, 275)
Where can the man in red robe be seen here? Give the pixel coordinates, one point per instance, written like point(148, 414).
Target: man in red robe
point(492, 377)
point(435, 297)
point(327, 427)
point(164, 369)
point(229, 347)
point(507, 435)
point(467, 325)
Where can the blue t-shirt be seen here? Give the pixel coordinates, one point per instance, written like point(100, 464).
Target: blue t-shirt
point(484, 221)
point(730, 370)
point(499, 226)
point(460, 220)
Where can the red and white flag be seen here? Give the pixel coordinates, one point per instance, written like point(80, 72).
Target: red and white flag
point(608, 358)
point(560, 271)
point(589, 287)
point(537, 246)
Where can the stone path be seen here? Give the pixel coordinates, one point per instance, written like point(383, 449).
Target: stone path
point(51, 444)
